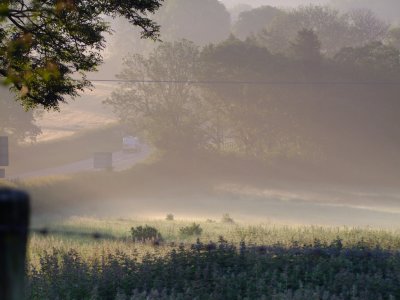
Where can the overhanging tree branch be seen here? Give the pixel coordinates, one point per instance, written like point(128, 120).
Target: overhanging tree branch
point(44, 43)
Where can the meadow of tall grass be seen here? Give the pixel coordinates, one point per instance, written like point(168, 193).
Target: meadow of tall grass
point(226, 260)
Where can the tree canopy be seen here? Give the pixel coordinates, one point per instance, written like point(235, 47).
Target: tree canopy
point(334, 29)
point(386, 9)
point(306, 47)
point(231, 110)
point(47, 46)
point(203, 22)
point(253, 21)
point(165, 114)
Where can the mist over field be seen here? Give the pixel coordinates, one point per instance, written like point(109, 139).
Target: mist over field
point(200, 149)
point(276, 111)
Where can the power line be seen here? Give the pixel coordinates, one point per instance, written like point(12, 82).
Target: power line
point(221, 82)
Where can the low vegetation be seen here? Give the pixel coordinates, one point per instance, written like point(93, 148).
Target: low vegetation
point(226, 218)
point(239, 261)
point(146, 233)
point(169, 217)
point(193, 229)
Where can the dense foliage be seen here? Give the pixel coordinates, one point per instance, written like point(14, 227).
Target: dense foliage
point(47, 46)
point(193, 229)
point(386, 9)
point(203, 22)
point(223, 271)
point(237, 96)
point(164, 113)
point(146, 233)
point(334, 28)
point(252, 21)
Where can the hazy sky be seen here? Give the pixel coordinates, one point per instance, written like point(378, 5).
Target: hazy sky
point(230, 3)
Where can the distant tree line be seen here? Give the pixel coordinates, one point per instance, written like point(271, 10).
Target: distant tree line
point(205, 22)
point(305, 44)
point(301, 100)
point(385, 9)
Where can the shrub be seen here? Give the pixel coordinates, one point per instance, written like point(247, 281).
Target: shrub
point(146, 233)
point(169, 217)
point(226, 218)
point(193, 229)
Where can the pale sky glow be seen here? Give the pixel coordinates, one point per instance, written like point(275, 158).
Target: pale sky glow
point(255, 3)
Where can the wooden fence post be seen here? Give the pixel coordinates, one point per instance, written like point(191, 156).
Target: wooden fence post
point(14, 224)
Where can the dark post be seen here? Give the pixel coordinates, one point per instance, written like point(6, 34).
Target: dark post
point(14, 222)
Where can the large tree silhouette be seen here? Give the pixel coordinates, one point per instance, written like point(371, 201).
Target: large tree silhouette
point(47, 46)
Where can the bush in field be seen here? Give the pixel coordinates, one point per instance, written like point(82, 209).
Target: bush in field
point(193, 229)
point(146, 233)
point(226, 218)
point(169, 217)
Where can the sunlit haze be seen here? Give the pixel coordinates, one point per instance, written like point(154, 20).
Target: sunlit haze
point(200, 149)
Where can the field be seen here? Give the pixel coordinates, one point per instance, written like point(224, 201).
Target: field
point(226, 260)
point(254, 257)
